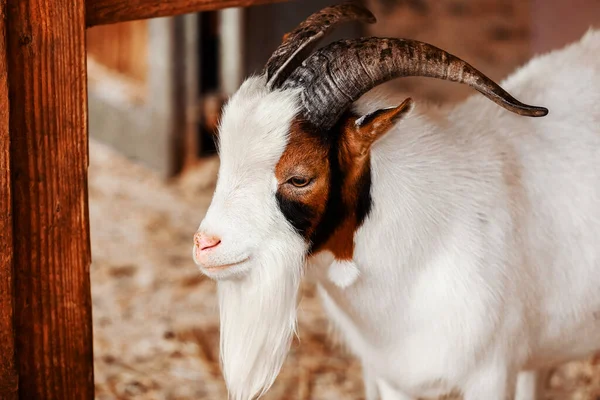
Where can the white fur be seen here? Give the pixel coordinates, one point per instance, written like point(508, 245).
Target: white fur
point(343, 273)
point(466, 280)
point(481, 255)
point(257, 296)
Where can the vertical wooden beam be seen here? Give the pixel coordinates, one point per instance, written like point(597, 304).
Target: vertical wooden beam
point(49, 160)
point(8, 370)
point(184, 93)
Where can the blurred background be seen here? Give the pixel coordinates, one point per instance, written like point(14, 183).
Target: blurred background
point(156, 88)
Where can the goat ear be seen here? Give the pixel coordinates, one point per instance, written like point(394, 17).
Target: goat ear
point(370, 127)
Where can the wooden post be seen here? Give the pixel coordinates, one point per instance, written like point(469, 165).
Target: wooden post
point(8, 370)
point(49, 160)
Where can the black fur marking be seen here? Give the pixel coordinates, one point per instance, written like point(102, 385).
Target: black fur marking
point(301, 215)
point(365, 201)
point(298, 214)
point(335, 210)
point(367, 118)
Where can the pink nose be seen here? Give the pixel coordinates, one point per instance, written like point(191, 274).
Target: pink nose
point(206, 242)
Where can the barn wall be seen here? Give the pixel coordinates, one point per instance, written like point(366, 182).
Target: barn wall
point(266, 25)
point(492, 35)
point(143, 91)
point(562, 22)
point(122, 48)
point(495, 36)
point(139, 83)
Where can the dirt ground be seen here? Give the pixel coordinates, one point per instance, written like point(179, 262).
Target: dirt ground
point(155, 316)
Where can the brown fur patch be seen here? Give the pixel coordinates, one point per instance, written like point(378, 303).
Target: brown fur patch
point(361, 137)
point(310, 154)
point(354, 160)
point(341, 243)
point(307, 156)
point(328, 211)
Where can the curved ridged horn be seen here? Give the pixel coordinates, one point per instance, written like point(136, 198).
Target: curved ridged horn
point(338, 74)
point(298, 44)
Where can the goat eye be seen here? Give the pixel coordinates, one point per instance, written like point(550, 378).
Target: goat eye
point(299, 181)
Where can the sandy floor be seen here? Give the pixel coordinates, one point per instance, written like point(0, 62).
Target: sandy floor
point(155, 316)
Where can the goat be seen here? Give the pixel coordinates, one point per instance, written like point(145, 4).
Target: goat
point(460, 255)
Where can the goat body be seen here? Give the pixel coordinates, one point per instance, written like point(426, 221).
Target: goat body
point(480, 257)
point(452, 254)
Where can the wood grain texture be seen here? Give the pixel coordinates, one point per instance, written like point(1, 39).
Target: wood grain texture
point(100, 12)
point(8, 370)
point(49, 160)
point(122, 48)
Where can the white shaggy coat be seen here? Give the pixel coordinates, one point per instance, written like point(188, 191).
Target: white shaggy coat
point(258, 291)
point(480, 257)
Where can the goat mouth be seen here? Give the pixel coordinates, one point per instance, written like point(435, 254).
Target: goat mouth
point(223, 267)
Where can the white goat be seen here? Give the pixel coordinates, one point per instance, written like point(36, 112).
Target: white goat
point(452, 255)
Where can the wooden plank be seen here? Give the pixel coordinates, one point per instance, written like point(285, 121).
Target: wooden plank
point(100, 12)
point(49, 160)
point(8, 369)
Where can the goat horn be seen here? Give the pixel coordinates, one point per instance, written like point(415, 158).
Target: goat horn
point(338, 74)
point(299, 43)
